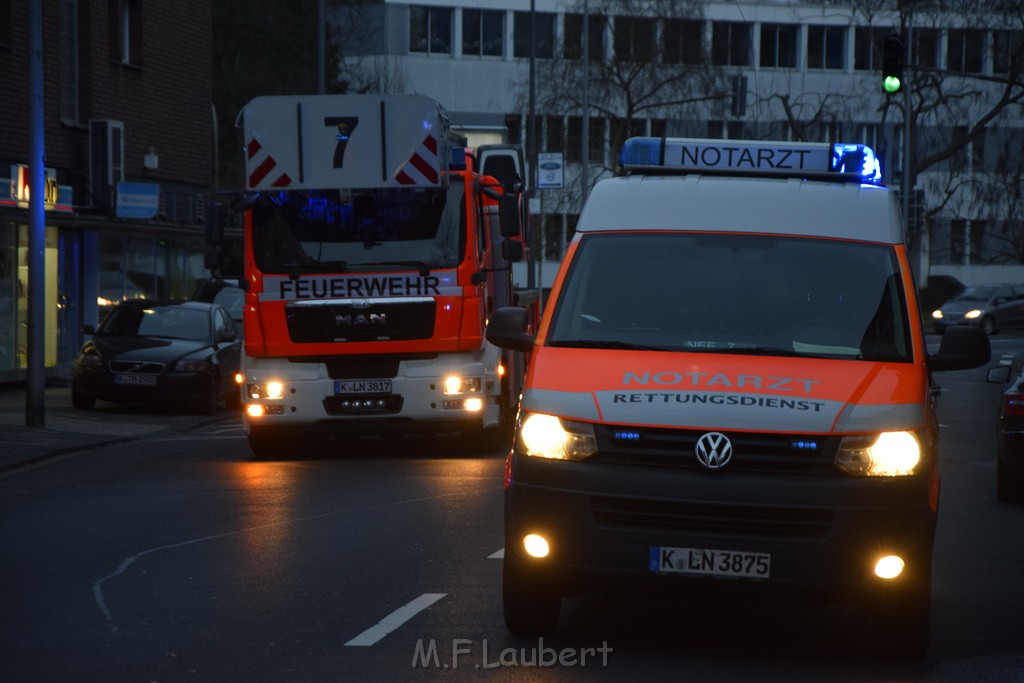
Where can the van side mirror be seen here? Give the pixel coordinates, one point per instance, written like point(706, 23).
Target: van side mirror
point(962, 347)
point(507, 329)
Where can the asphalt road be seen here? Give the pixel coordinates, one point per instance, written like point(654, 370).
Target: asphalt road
point(181, 558)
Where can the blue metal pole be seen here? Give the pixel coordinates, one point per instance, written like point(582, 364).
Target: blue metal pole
point(35, 407)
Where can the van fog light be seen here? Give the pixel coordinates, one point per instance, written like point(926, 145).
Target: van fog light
point(474, 405)
point(535, 545)
point(254, 410)
point(889, 567)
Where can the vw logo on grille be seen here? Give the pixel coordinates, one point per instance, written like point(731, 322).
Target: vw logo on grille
point(713, 450)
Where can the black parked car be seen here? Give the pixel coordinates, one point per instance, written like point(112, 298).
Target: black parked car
point(160, 352)
point(991, 307)
point(226, 293)
point(1010, 432)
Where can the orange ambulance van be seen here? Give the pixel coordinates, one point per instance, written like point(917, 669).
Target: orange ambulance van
point(730, 391)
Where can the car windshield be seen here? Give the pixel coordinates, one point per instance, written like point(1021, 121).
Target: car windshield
point(977, 293)
point(728, 293)
point(347, 231)
point(169, 322)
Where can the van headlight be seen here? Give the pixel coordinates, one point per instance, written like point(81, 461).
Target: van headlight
point(547, 436)
point(889, 454)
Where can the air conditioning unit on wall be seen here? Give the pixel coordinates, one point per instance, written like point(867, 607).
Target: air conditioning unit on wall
point(106, 160)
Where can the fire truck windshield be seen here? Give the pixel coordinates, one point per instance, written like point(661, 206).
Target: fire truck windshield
point(318, 231)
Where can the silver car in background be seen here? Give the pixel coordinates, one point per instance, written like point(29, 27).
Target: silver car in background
point(992, 307)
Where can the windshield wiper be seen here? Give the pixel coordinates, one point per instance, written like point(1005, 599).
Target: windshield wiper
point(423, 267)
point(762, 351)
point(604, 344)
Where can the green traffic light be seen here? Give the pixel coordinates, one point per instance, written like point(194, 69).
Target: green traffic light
point(891, 84)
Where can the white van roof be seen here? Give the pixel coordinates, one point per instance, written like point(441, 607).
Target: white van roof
point(790, 206)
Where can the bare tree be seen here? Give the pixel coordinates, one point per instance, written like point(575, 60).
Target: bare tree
point(646, 60)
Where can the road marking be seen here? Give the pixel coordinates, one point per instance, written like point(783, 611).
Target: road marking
point(392, 621)
point(499, 555)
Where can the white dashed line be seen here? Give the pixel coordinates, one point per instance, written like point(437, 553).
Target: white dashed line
point(392, 621)
point(499, 555)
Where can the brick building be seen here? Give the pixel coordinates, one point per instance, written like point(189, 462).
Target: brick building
point(129, 140)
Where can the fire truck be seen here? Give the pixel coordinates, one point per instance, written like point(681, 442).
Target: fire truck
point(375, 249)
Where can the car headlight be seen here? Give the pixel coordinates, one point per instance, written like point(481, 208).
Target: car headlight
point(889, 454)
point(88, 360)
point(455, 384)
point(546, 436)
point(937, 314)
point(194, 365)
point(972, 314)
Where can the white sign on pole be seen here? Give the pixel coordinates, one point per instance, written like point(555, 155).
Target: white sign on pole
point(549, 170)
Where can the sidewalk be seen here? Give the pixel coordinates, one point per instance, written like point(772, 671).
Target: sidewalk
point(68, 430)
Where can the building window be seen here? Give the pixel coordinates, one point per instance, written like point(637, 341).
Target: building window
point(1007, 54)
point(634, 39)
point(730, 43)
point(726, 130)
point(514, 126)
point(69, 61)
point(957, 237)
point(554, 136)
point(826, 47)
point(5, 23)
point(430, 30)
point(779, 45)
point(544, 28)
point(977, 244)
point(483, 32)
point(964, 49)
point(573, 46)
point(126, 31)
point(971, 154)
point(683, 41)
point(868, 44)
point(926, 47)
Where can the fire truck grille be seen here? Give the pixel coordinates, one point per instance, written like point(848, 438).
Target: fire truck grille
point(373, 321)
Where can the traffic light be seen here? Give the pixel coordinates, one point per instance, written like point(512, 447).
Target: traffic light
point(892, 64)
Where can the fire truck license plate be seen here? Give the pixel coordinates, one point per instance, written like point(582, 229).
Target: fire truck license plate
point(704, 562)
point(362, 386)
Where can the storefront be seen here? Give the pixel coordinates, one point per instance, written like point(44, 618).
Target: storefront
point(91, 263)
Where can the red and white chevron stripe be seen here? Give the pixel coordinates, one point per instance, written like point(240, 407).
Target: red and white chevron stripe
point(421, 168)
point(263, 165)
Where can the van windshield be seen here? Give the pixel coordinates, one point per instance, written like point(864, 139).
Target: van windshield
point(729, 293)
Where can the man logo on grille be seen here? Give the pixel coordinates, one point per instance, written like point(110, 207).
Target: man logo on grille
point(713, 450)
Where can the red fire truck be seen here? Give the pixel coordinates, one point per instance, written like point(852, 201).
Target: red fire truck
point(375, 250)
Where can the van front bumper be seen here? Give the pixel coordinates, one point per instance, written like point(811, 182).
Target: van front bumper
point(823, 534)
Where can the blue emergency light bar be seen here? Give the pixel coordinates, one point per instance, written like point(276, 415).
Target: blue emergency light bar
point(821, 160)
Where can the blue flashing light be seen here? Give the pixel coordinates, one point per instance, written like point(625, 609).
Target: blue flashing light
point(627, 436)
point(857, 160)
point(804, 445)
point(752, 157)
point(457, 160)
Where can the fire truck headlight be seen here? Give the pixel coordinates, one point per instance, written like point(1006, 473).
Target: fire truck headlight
point(890, 454)
point(456, 384)
point(269, 390)
point(546, 436)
